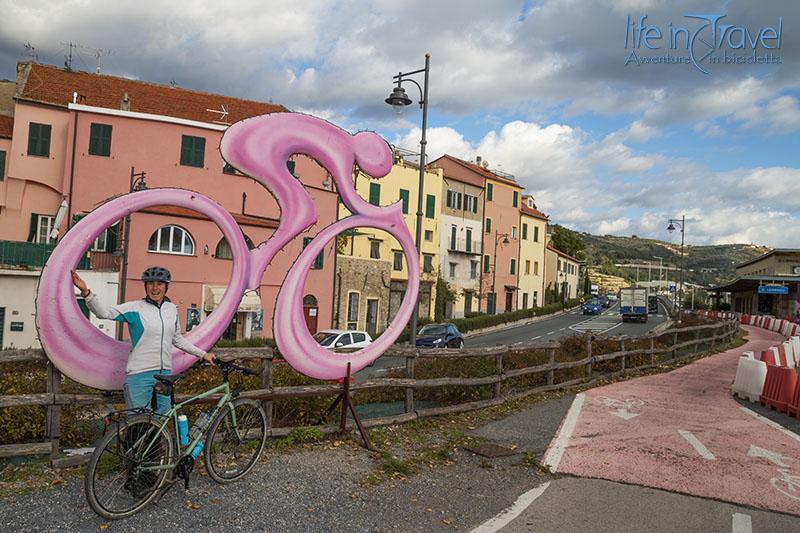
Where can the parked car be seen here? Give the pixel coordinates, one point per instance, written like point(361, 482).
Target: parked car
point(592, 307)
point(342, 338)
point(612, 296)
point(440, 336)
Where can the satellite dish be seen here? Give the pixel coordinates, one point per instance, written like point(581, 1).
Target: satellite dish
point(485, 164)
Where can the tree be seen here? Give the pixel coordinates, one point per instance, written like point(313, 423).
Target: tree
point(567, 241)
point(444, 295)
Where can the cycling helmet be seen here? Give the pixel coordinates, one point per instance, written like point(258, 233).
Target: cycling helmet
point(156, 274)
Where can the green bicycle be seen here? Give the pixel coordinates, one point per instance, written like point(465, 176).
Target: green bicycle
point(131, 462)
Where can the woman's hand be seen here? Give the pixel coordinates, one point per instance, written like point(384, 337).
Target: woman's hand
point(80, 284)
point(209, 358)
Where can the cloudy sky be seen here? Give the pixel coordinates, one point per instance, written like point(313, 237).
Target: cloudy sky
point(553, 92)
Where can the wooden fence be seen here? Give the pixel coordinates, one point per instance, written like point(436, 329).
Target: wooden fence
point(660, 345)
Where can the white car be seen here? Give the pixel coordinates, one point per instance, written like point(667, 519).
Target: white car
point(342, 338)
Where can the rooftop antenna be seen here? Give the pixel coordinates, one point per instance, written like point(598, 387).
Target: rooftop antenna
point(173, 83)
point(98, 53)
point(68, 58)
point(31, 51)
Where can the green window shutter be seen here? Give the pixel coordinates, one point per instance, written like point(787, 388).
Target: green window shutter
point(193, 151)
point(489, 191)
point(100, 139)
point(513, 266)
point(111, 238)
point(291, 166)
point(404, 198)
point(485, 263)
point(536, 234)
point(227, 168)
point(515, 199)
point(34, 225)
point(524, 232)
point(2, 165)
point(39, 139)
point(375, 193)
point(430, 206)
point(319, 260)
point(488, 225)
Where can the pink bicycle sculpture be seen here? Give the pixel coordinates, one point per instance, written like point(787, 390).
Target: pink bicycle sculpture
point(258, 147)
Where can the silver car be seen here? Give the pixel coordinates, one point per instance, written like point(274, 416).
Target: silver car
point(342, 338)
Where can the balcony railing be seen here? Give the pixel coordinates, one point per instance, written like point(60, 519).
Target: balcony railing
point(29, 254)
point(104, 261)
point(464, 246)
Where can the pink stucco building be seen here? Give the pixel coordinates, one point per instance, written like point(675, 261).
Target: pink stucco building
point(76, 136)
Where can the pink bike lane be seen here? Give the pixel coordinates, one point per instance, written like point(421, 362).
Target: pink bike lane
point(683, 431)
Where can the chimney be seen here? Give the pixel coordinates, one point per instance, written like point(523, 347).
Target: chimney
point(478, 160)
point(125, 103)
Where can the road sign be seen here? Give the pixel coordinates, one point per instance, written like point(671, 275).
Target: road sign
point(773, 289)
point(672, 288)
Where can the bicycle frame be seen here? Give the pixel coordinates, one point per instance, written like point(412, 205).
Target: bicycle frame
point(172, 414)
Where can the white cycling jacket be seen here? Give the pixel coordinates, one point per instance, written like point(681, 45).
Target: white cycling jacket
point(153, 329)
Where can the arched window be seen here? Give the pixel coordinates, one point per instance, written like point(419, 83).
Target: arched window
point(309, 300)
point(171, 240)
point(223, 250)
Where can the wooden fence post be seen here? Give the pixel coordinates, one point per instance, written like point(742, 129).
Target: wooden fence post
point(622, 349)
point(498, 363)
point(409, 400)
point(652, 350)
point(266, 383)
point(52, 424)
point(587, 373)
point(696, 341)
point(713, 338)
point(674, 343)
point(551, 358)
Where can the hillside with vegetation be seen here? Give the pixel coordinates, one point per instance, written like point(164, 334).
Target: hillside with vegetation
point(704, 265)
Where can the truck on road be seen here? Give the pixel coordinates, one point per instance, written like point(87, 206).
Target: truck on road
point(633, 304)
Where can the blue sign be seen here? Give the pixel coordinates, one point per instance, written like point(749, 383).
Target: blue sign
point(672, 288)
point(773, 289)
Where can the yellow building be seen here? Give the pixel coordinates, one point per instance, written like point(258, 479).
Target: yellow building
point(533, 233)
point(364, 250)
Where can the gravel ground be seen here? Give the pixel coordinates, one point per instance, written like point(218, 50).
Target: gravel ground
point(313, 489)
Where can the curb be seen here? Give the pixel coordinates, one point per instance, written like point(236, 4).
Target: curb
point(518, 323)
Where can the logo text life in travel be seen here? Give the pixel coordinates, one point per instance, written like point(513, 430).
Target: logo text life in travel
point(709, 42)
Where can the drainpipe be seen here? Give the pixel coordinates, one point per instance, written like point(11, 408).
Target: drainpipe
point(72, 168)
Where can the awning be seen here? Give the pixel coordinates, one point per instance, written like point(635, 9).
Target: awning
point(251, 302)
point(512, 288)
point(751, 283)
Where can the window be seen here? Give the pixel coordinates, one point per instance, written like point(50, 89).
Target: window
point(536, 268)
point(453, 199)
point(430, 206)
point(398, 261)
point(536, 234)
point(513, 266)
point(319, 259)
point(106, 241)
point(352, 310)
point(513, 232)
point(427, 263)
point(524, 300)
point(428, 234)
point(2, 165)
point(469, 240)
point(490, 303)
point(228, 169)
point(374, 249)
point(452, 237)
point(524, 232)
point(171, 240)
point(41, 227)
point(292, 166)
point(39, 139)
point(485, 263)
point(193, 151)
point(488, 225)
point(470, 203)
point(473, 269)
point(535, 298)
point(404, 198)
point(358, 337)
point(527, 266)
point(558, 266)
point(375, 193)
point(489, 191)
point(100, 139)
point(452, 270)
point(515, 199)
point(223, 249)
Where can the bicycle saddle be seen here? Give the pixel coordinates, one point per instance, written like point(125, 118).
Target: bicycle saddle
point(168, 379)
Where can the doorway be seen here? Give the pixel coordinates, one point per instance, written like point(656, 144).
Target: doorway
point(310, 312)
point(509, 300)
point(372, 317)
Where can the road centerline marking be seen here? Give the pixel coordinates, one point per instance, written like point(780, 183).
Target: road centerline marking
point(506, 516)
point(556, 451)
point(741, 523)
point(697, 445)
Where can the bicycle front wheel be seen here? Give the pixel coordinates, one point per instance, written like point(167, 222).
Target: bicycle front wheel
point(235, 440)
point(127, 467)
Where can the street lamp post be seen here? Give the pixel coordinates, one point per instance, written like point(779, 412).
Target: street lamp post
point(137, 183)
point(398, 100)
point(494, 267)
point(679, 291)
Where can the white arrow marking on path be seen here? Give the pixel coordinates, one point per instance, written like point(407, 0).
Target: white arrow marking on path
point(624, 414)
point(773, 457)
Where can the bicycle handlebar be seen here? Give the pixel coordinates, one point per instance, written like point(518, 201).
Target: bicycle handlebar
point(226, 366)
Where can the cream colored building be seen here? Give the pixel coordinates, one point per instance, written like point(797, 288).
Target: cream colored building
point(533, 233)
point(561, 271)
point(368, 244)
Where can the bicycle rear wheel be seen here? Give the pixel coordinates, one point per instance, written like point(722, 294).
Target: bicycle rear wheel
point(235, 440)
point(122, 476)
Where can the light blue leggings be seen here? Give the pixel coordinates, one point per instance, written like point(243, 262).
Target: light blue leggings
point(139, 391)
